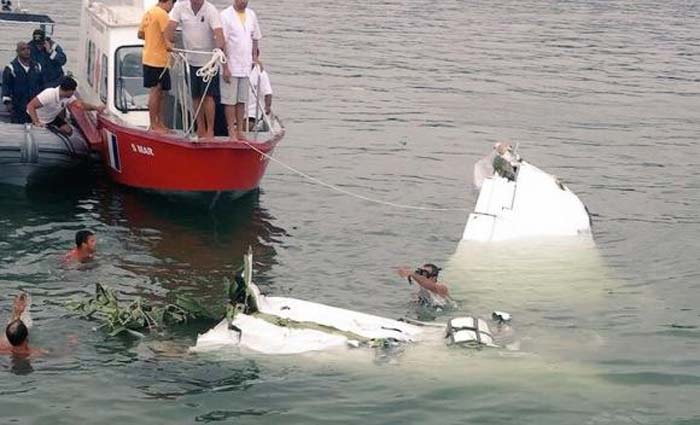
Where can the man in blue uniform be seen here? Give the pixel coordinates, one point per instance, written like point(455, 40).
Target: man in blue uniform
point(22, 79)
point(49, 55)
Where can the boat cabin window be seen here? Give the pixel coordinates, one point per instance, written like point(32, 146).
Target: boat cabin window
point(104, 78)
point(129, 94)
point(90, 63)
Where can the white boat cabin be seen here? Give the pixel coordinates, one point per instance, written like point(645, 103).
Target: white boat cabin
point(109, 57)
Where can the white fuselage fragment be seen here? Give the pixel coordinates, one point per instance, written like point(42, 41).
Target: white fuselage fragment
point(535, 204)
point(333, 328)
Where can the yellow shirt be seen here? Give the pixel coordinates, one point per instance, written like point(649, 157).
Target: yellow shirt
point(241, 17)
point(155, 52)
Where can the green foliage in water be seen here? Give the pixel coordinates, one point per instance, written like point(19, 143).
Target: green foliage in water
point(137, 315)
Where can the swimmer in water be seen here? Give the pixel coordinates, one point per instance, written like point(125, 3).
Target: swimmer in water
point(85, 247)
point(430, 292)
point(15, 341)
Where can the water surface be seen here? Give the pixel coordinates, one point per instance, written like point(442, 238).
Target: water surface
point(395, 100)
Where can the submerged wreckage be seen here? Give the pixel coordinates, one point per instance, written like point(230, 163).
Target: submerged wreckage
point(518, 200)
point(280, 325)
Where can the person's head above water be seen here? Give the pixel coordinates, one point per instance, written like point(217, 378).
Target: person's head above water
point(16, 333)
point(86, 240)
point(429, 270)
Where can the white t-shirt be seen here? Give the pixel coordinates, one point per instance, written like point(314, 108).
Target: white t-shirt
point(265, 89)
point(197, 29)
point(239, 40)
point(52, 104)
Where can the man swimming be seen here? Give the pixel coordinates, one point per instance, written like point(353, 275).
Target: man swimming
point(16, 338)
point(85, 247)
point(430, 292)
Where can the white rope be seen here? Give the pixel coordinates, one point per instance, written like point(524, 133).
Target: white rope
point(210, 69)
point(347, 192)
point(207, 73)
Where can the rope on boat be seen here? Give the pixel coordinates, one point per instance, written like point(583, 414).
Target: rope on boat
point(206, 72)
point(344, 191)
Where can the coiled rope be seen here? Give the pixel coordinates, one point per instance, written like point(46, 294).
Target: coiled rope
point(344, 191)
point(207, 73)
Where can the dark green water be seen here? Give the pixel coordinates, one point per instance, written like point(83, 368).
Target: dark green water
point(396, 100)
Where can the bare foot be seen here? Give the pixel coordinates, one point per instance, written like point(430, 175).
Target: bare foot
point(240, 137)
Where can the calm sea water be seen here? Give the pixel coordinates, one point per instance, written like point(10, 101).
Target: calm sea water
point(396, 100)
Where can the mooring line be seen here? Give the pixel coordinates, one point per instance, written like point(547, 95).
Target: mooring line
point(347, 192)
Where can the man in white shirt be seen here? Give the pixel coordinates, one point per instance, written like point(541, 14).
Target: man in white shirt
point(242, 33)
point(259, 82)
point(48, 107)
point(201, 31)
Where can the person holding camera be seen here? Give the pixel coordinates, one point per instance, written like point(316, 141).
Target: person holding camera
point(430, 292)
point(49, 55)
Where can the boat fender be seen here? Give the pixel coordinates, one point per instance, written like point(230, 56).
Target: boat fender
point(469, 331)
point(29, 151)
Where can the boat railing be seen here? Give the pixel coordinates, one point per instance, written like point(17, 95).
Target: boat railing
point(187, 111)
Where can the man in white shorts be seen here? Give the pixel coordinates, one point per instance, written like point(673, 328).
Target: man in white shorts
point(201, 31)
point(242, 33)
point(48, 107)
point(259, 81)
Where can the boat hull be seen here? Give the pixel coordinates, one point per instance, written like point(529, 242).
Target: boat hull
point(171, 163)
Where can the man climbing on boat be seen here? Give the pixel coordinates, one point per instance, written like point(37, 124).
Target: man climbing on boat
point(201, 31)
point(430, 292)
point(48, 107)
point(156, 56)
point(242, 34)
point(22, 79)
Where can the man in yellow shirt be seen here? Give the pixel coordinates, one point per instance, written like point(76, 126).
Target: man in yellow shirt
point(155, 59)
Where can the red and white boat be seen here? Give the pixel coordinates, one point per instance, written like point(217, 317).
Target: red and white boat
point(110, 72)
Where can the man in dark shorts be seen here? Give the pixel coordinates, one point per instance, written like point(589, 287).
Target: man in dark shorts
point(48, 108)
point(155, 60)
point(201, 32)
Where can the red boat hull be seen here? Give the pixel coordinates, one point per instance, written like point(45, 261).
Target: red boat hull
point(148, 160)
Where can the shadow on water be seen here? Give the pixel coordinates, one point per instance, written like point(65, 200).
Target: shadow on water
point(186, 246)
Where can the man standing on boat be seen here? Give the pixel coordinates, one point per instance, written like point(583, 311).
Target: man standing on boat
point(49, 55)
point(241, 33)
point(260, 92)
point(201, 31)
point(22, 79)
point(48, 107)
point(156, 76)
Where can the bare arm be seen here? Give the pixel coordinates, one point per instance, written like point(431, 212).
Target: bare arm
point(424, 282)
point(255, 50)
point(169, 32)
point(219, 40)
point(19, 306)
point(31, 110)
point(90, 107)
